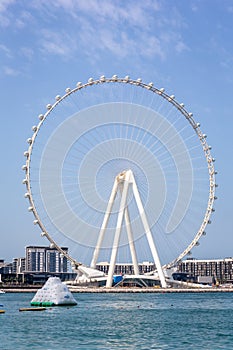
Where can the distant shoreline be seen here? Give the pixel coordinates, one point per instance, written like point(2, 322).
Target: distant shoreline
point(126, 290)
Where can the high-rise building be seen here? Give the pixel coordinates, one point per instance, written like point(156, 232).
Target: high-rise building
point(19, 265)
point(45, 259)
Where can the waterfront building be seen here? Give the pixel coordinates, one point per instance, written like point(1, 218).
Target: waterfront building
point(5, 267)
point(220, 270)
point(126, 268)
point(193, 270)
point(45, 259)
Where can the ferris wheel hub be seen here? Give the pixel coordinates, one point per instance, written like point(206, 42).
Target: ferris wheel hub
point(121, 176)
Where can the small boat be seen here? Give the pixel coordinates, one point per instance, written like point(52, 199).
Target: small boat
point(2, 291)
point(2, 311)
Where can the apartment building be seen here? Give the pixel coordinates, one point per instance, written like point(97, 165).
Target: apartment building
point(45, 259)
point(220, 269)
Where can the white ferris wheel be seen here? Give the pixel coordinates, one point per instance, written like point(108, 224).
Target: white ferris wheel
point(119, 171)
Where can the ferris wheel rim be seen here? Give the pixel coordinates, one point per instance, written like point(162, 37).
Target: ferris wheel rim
point(169, 98)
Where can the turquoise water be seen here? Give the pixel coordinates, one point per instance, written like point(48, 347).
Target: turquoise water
point(120, 321)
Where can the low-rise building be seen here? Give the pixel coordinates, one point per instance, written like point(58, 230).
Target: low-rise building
point(5, 267)
point(220, 270)
point(126, 268)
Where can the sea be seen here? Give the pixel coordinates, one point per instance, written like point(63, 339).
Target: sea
point(120, 321)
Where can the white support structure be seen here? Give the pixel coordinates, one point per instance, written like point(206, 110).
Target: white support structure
point(104, 224)
point(122, 182)
point(148, 233)
point(131, 242)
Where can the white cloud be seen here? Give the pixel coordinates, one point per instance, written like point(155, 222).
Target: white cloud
point(180, 47)
point(4, 4)
point(23, 19)
point(131, 11)
point(57, 43)
point(5, 17)
point(123, 28)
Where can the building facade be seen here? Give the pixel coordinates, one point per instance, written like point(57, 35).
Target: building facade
point(127, 269)
point(19, 265)
point(221, 270)
point(5, 267)
point(194, 270)
point(45, 259)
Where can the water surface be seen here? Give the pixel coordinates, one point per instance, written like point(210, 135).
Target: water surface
point(120, 321)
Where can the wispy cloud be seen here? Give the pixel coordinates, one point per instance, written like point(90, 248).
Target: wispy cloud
point(4, 4)
point(138, 28)
point(5, 50)
point(55, 43)
point(132, 12)
point(24, 19)
point(181, 46)
point(134, 28)
point(5, 16)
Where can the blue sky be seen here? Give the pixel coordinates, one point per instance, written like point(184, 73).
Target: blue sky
point(46, 46)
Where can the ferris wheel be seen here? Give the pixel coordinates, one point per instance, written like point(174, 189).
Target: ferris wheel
point(118, 170)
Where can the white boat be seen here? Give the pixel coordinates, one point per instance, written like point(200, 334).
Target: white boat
point(2, 291)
